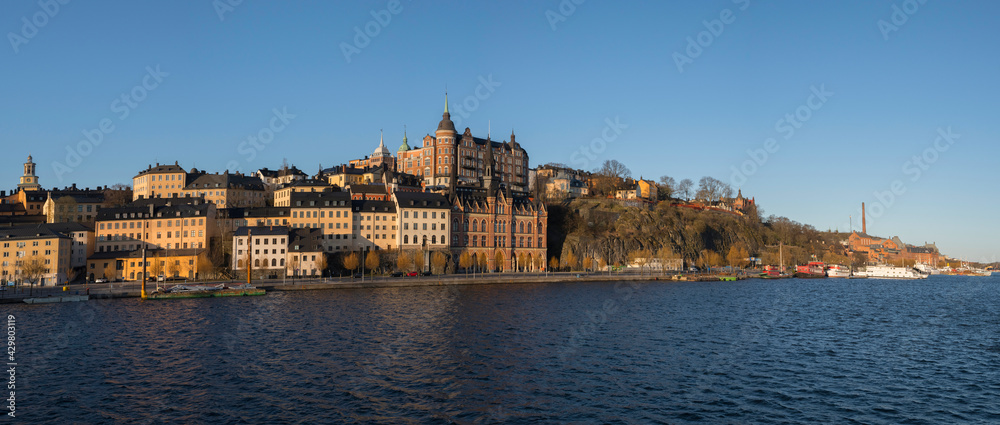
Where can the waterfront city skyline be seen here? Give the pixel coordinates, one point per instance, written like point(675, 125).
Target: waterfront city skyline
point(872, 85)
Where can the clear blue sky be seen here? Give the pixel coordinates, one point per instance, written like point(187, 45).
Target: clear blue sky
point(557, 89)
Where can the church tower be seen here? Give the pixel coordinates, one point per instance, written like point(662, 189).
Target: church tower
point(29, 181)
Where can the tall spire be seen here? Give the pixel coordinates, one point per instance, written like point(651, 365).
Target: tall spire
point(446, 124)
point(381, 150)
point(406, 143)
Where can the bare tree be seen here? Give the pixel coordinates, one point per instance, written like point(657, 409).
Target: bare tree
point(712, 189)
point(33, 268)
point(118, 195)
point(293, 265)
point(684, 189)
point(667, 187)
point(611, 176)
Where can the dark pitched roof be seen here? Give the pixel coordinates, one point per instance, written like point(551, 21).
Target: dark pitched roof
point(262, 231)
point(308, 183)
point(367, 188)
point(159, 202)
point(20, 220)
point(421, 200)
point(361, 205)
point(225, 181)
point(166, 211)
point(320, 199)
point(64, 228)
point(162, 169)
point(29, 232)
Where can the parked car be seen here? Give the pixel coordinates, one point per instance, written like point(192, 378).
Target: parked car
point(358, 275)
point(101, 280)
point(412, 274)
point(427, 273)
point(397, 274)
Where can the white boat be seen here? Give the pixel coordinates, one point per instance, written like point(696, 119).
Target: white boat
point(62, 299)
point(192, 288)
point(926, 268)
point(837, 270)
point(891, 272)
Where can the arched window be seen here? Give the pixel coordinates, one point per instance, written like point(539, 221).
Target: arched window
point(434, 239)
point(406, 238)
point(521, 243)
point(529, 227)
point(521, 227)
point(475, 225)
point(274, 262)
point(239, 264)
point(446, 169)
point(454, 239)
point(466, 240)
point(256, 262)
point(466, 225)
point(475, 240)
point(539, 242)
point(529, 242)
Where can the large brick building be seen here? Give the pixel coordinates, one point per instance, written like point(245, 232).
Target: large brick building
point(882, 250)
point(449, 160)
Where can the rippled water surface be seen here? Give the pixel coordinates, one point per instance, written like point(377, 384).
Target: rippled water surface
point(788, 351)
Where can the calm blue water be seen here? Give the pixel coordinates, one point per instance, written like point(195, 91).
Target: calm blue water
point(787, 351)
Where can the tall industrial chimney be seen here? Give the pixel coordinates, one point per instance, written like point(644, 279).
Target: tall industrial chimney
point(864, 220)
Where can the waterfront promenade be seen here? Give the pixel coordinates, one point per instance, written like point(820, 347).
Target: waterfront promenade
point(132, 289)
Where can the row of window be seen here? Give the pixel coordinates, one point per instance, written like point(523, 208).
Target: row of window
point(159, 223)
point(417, 240)
point(23, 244)
point(79, 208)
point(498, 226)
point(170, 235)
point(497, 241)
point(133, 247)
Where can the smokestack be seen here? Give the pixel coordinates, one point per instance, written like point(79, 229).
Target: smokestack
point(864, 220)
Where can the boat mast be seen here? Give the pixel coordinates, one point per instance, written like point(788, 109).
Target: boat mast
point(781, 257)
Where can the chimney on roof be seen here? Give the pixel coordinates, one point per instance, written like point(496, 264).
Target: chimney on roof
point(864, 221)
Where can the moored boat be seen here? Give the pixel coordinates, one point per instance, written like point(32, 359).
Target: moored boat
point(205, 291)
point(62, 299)
point(837, 270)
point(892, 272)
point(813, 270)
